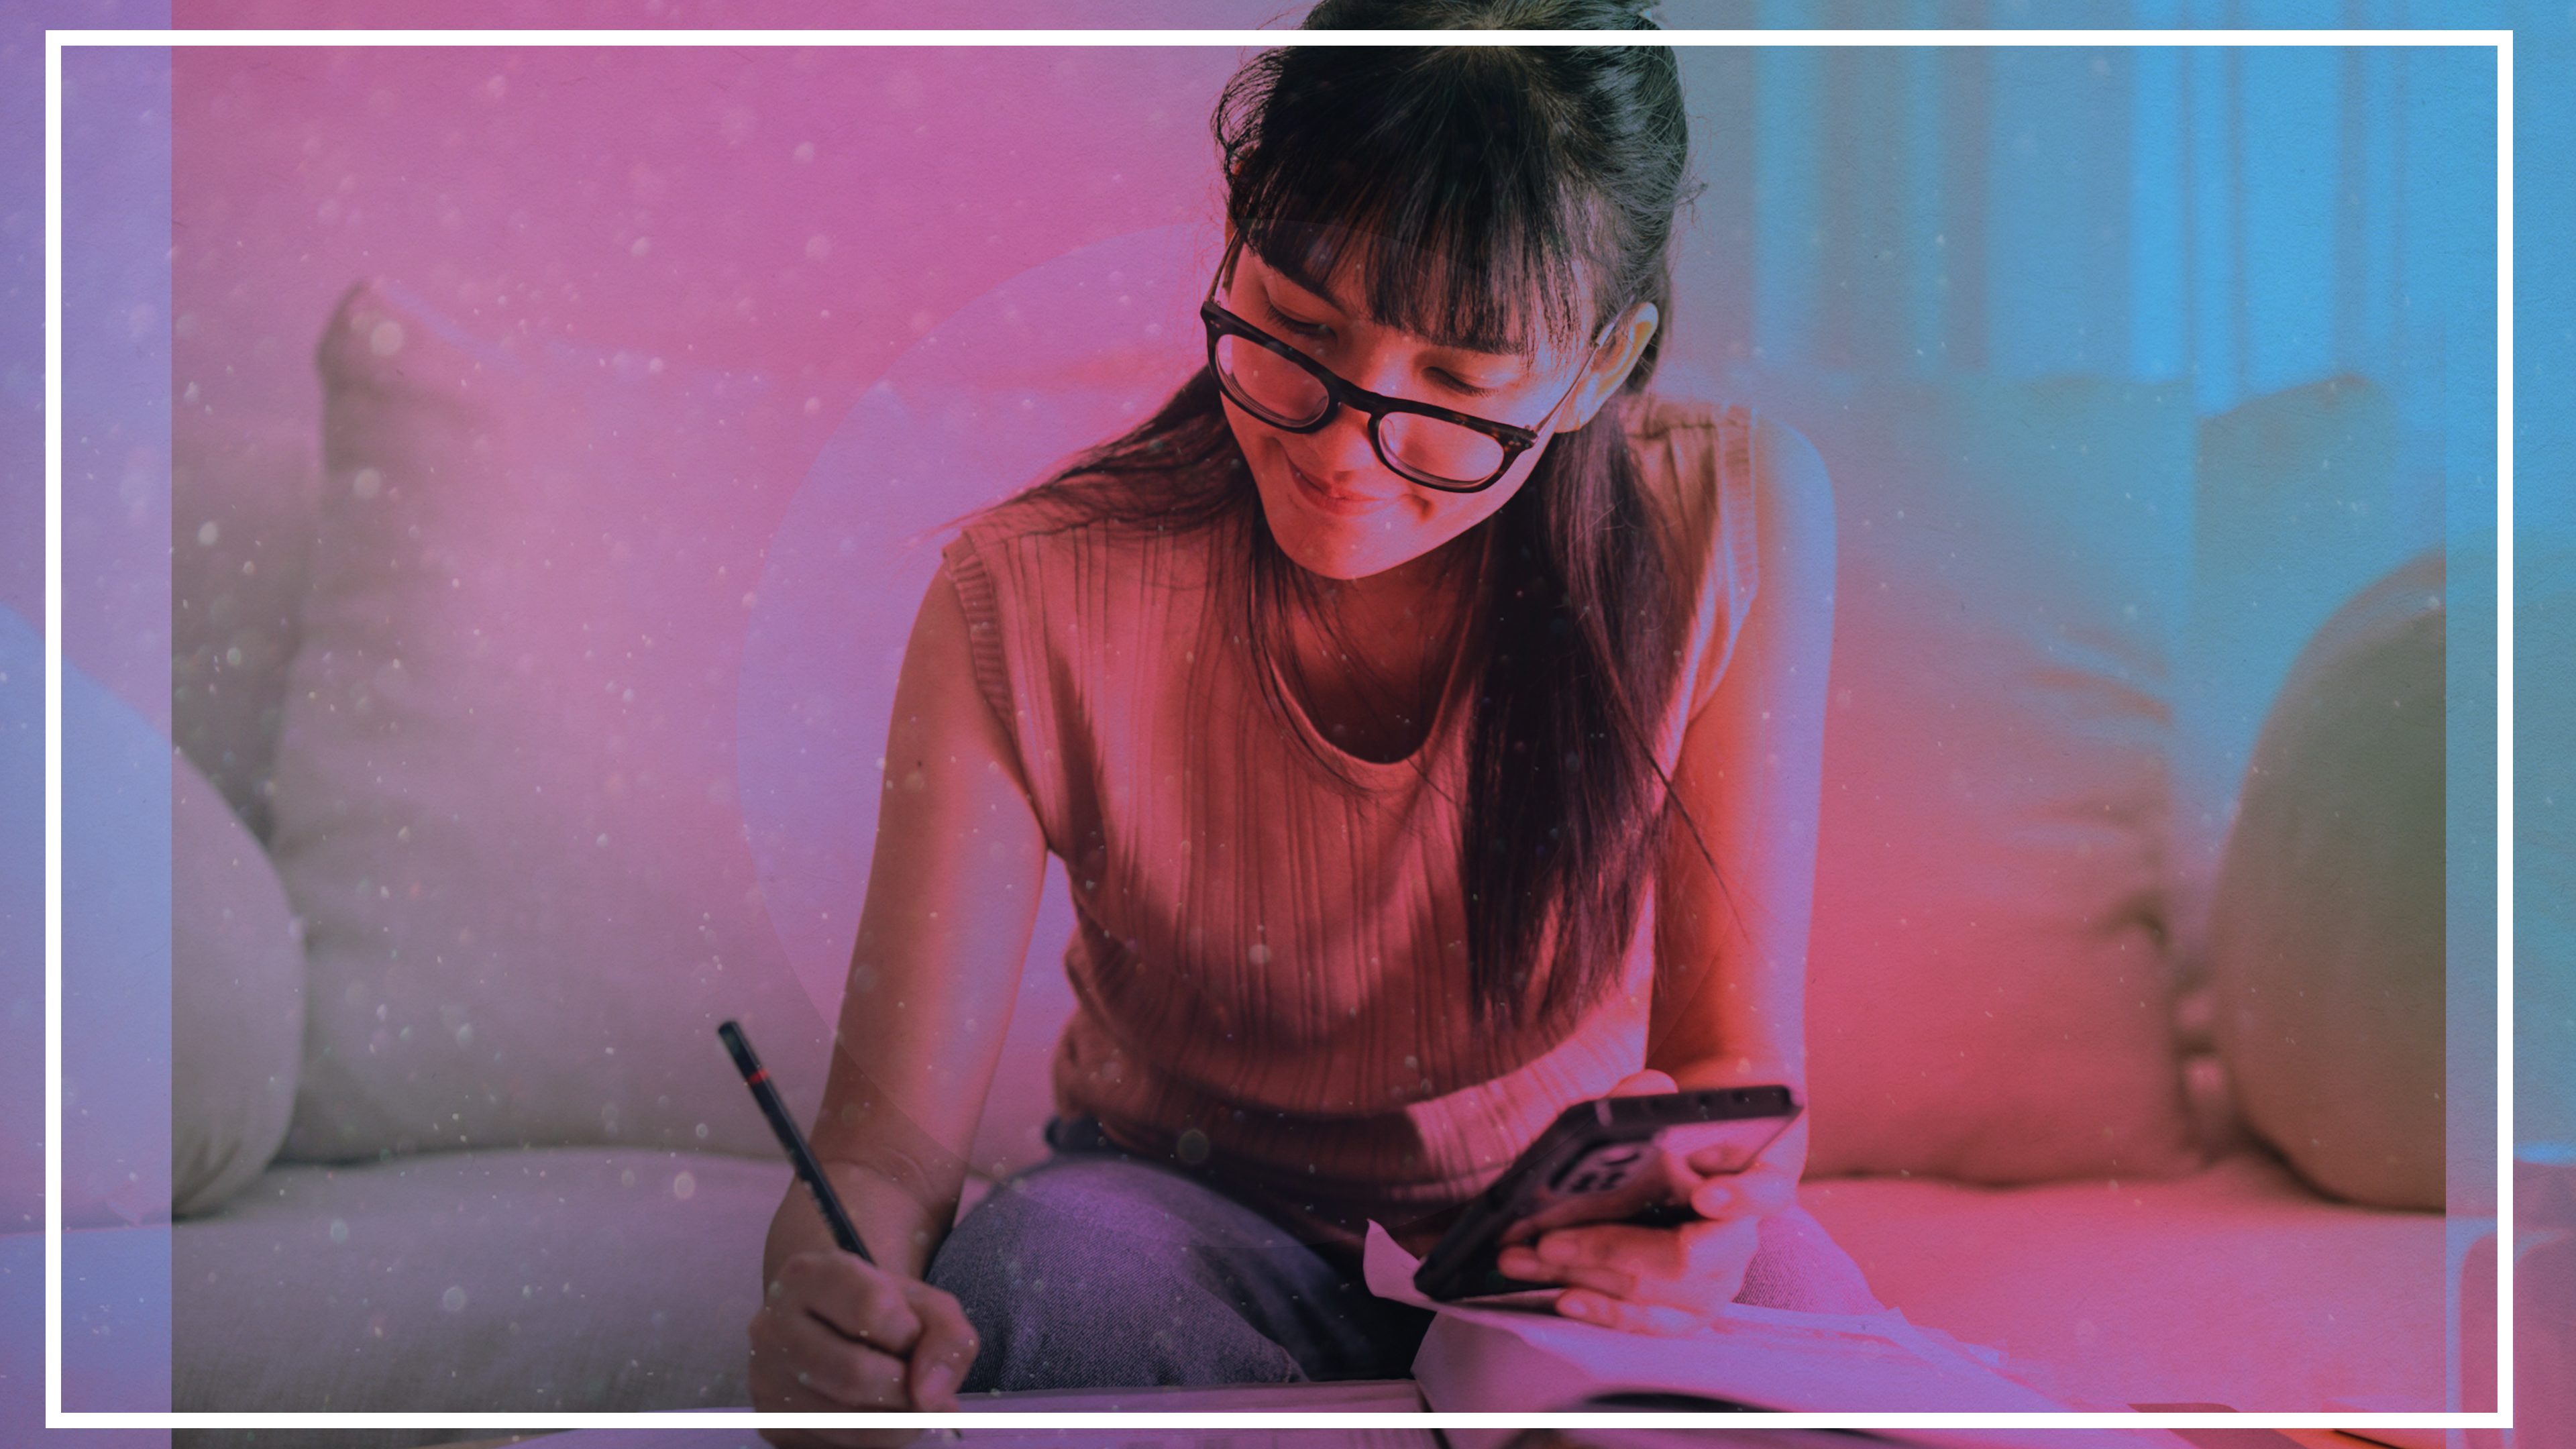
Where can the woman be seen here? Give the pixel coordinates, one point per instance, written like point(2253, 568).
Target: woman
point(1431, 736)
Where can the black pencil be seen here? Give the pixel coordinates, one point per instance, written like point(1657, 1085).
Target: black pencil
point(756, 1077)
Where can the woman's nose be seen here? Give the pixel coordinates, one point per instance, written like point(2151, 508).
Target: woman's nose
point(1342, 445)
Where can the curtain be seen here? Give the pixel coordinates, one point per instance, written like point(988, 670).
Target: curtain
point(2242, 218)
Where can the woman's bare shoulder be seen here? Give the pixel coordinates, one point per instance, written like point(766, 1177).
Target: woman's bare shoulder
point(1698, 455)
point(1694, 461)
point(1795, 499)
point(1784, 462)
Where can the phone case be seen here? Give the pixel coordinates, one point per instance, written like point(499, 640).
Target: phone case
point(1632, 1159)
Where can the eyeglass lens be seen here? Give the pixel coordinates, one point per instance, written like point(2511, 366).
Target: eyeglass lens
point(1279, 391)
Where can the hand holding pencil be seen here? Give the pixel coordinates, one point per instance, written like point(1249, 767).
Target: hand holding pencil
point(791, 1138)
point(836, 1332)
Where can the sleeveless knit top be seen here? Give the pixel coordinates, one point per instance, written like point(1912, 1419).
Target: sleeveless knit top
point(1269, 966)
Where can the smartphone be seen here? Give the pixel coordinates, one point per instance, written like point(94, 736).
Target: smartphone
point(1612, 1159)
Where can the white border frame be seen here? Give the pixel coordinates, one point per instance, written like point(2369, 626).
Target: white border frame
point(57, 40)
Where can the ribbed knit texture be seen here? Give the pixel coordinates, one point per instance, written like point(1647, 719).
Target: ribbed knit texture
point(1269, 965)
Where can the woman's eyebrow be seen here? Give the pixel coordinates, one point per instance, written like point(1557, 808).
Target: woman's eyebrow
point(1498, 363)
point(1317, 290)
point(1501, 359)
point(1491, 354)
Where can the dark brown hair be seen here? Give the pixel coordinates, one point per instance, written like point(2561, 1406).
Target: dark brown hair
point(1541, 183)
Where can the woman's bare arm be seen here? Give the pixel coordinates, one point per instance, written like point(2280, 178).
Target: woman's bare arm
point(1730, 1000)
point(952, 895)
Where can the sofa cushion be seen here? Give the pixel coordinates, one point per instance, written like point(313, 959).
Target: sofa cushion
point(505, 800)
point(115, 1333)
point(1987, 992)
point(2233, 1286)
point(236, 999)
point(564, 1281)
point(2326, 938)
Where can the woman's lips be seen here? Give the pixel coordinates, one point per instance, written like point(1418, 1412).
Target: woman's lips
point(1339, 505)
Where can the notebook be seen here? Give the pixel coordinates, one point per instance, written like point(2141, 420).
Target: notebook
point(1516, 1356)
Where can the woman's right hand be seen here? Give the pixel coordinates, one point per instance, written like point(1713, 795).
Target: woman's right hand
point(836, 1334)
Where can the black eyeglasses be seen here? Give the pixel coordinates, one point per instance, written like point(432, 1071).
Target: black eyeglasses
point(1433, 446)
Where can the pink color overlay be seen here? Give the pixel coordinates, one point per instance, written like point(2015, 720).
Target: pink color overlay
point(966, 263)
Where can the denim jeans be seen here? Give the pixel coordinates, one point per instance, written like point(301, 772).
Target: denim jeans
point(1096, 1269)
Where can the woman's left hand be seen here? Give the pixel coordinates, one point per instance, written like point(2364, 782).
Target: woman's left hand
point(1658, 1279)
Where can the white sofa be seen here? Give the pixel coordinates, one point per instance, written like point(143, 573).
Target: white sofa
point(528, 721)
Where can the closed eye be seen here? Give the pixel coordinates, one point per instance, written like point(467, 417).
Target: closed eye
point(1304, 331)
point(1294, 327)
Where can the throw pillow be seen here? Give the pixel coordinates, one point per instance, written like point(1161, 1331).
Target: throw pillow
point(2326, 937)
point(506, 798)
point(2298, 507)
point(242, 502)
point(1987, 994)
point(236, 999)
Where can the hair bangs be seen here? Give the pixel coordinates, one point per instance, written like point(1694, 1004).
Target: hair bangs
point(1438, 206)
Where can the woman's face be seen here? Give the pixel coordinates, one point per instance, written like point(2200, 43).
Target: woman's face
point(1333, 506)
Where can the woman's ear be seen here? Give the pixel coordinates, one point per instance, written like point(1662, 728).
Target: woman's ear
point(1612, 361)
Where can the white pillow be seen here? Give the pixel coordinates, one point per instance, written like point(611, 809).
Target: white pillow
point(243, 496)
point(2297, 509)
point(1987, 988)
point(236, 999)
point(505, 801)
